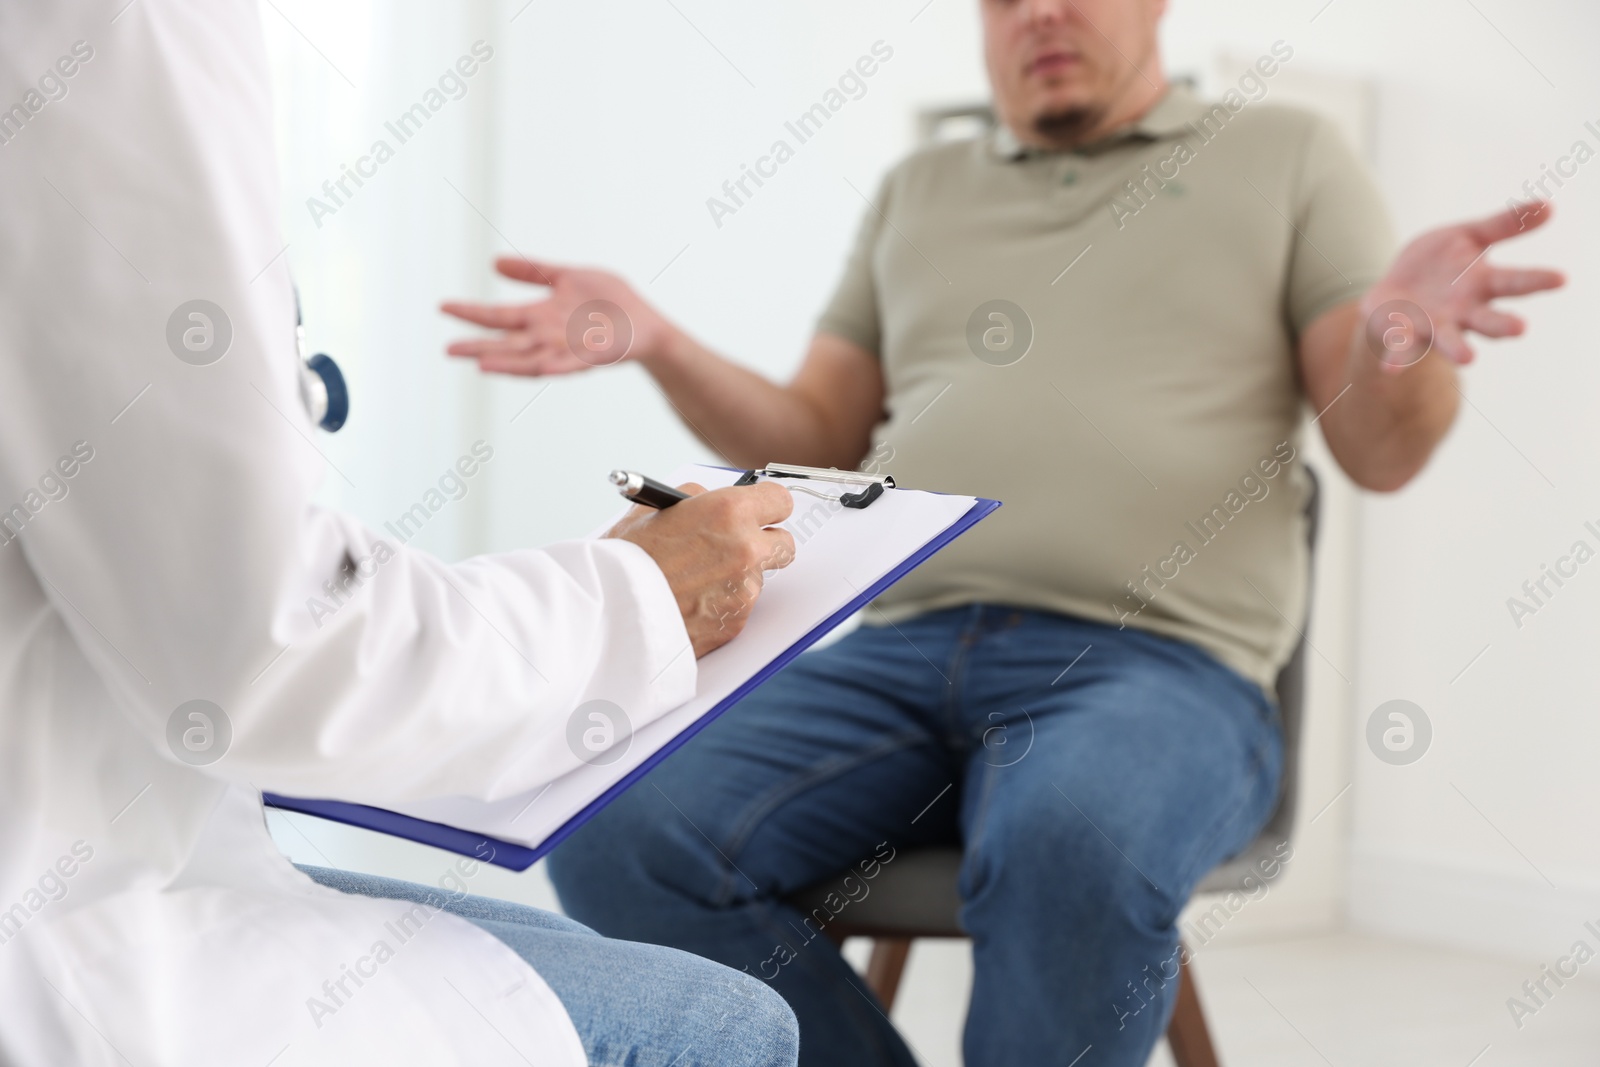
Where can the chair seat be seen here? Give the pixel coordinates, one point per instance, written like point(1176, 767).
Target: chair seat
point(1243, 872)
point(917, 895)
point(914, 895)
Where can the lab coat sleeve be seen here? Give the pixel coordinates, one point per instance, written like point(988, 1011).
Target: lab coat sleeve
point(183, 553)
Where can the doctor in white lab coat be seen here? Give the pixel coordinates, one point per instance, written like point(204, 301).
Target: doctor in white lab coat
point(158, 547)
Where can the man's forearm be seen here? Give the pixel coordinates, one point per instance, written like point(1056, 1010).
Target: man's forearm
point(749, 419)
point(1383, 425)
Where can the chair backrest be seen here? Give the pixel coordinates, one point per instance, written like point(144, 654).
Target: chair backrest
point(1291, 689)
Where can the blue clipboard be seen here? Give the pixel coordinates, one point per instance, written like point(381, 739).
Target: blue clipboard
point(521, 857)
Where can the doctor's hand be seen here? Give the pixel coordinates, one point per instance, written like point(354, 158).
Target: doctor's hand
point(590, 318)
point(713, 549)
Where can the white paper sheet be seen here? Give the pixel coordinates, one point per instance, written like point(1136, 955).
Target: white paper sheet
point(840, 553)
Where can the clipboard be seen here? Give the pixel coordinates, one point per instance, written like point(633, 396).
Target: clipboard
point(883, 512)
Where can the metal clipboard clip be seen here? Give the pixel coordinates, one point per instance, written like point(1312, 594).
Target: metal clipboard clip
point(864, 488)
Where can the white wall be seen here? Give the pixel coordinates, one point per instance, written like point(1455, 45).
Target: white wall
point(371, 273)
point(608, 153)
point(1488, 841)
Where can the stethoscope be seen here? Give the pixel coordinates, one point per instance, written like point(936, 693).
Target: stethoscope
point(322, 387)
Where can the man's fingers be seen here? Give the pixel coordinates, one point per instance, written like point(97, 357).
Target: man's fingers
point(1520, 282)
point(1492, 323)
point(538, 272)
point(1452, 345)
point(529, 366)
point(494, 316)
point(515, 343)
point(1511, 221)
point(692, 488)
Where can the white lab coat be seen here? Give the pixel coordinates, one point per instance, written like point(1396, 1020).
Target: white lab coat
point(145, 915)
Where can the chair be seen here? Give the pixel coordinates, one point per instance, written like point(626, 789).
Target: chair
point(916, 895)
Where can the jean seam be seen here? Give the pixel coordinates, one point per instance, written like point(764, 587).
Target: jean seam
point(956, 665)
point(762, 807)
point(980, 820)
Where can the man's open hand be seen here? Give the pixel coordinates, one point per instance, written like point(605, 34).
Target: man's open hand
point(591, 318)
point(1446, 274)
point(714, 548)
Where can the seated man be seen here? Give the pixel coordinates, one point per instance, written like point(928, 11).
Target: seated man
point(1110, 315)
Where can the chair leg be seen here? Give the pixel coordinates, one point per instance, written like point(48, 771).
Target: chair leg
point(1187, 1033)
point(887, 964)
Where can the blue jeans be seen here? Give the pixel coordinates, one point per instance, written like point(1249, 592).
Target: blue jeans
point(1092, 775)
point(632, 1005)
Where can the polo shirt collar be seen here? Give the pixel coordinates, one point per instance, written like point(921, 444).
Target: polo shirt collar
point(1171, 115)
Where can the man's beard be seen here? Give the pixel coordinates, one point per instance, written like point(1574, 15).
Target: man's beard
point(1069, 127)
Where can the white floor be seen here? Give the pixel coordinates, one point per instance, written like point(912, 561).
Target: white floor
point(1331, 1000)
point(1335, 1000)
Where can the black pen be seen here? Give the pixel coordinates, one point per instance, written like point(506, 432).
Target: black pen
point(647, 491)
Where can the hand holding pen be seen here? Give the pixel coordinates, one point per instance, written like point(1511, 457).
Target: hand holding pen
point(712, 546)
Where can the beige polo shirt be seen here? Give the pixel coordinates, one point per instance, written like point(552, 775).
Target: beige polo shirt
point(1104, 339)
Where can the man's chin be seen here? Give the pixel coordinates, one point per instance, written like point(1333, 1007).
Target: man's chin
point(1068, 124)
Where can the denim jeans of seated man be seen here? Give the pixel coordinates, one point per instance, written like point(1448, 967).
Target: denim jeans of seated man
point(632, 1005)
point(1093, 775)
